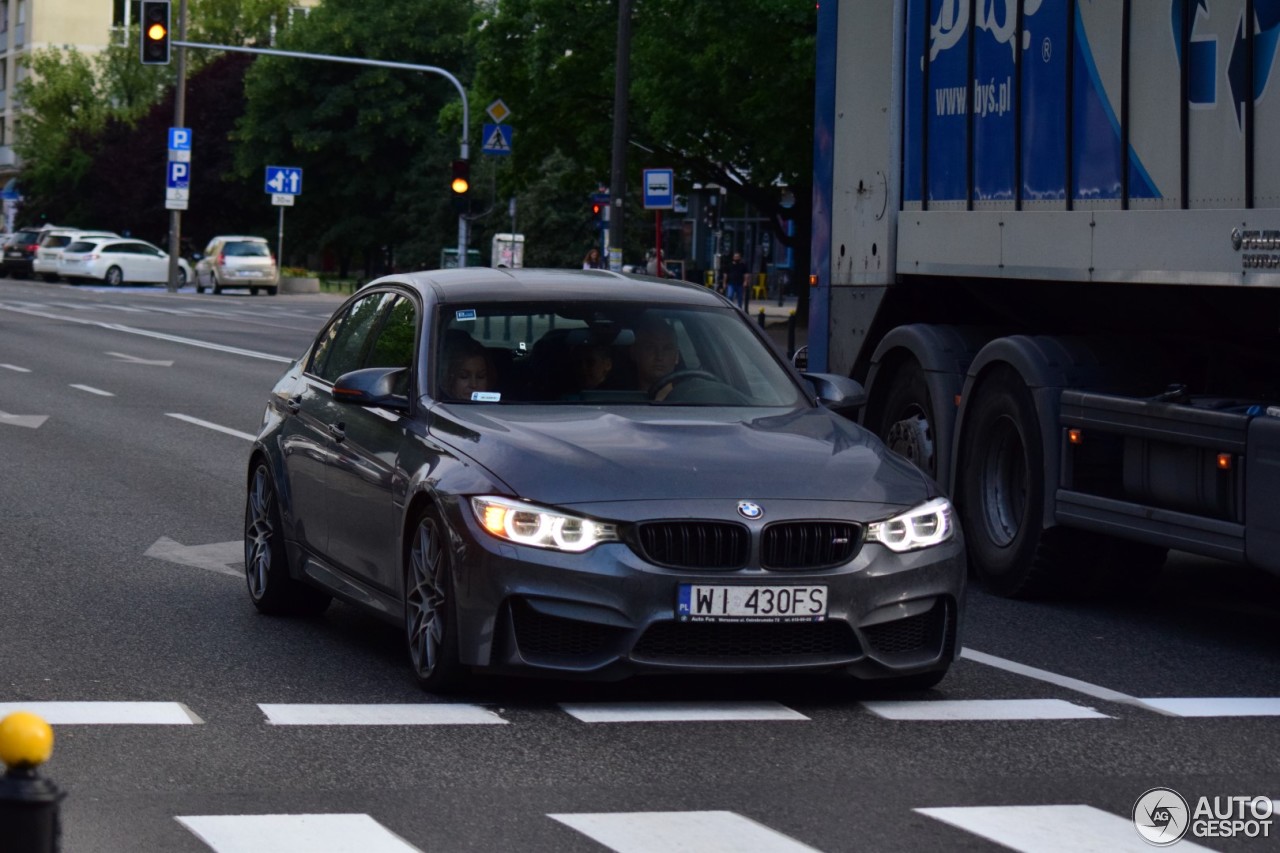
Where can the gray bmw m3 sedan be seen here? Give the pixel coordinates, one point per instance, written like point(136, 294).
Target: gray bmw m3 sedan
point(593, 475)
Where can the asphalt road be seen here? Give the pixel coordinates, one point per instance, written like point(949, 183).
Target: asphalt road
point(125, 421)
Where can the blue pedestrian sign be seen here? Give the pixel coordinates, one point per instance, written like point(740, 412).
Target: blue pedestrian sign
point(659, 189)
point(179, 139)
point(284, 180)
point(497, 139)
point(179, 176)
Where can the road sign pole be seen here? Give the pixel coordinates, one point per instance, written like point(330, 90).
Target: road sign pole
point(280, 246)
point(657, 241)
point(462, 217)
point(179, 114)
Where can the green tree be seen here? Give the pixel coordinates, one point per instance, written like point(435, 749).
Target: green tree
point(375, 143)
point(721, 90)
point(235, 22)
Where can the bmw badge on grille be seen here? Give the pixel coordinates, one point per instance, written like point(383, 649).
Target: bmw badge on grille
point(747, 509)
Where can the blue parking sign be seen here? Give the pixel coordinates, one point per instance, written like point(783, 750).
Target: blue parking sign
point(179, 177)
point(179, 139)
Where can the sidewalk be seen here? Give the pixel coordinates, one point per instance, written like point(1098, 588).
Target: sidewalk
point(777, 319)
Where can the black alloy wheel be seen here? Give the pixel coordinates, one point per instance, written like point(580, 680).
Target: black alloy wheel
point(266, 565)
point(431, 632)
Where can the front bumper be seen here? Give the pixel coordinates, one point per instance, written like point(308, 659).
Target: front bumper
point(608, 614)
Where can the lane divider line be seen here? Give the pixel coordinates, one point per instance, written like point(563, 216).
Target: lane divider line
point(1094, 690)
point(1058, 827)
point(209, 425)
point(15, 368)
point(90, 389)
point(294, 833)
point(160, 336)
point(982, 709)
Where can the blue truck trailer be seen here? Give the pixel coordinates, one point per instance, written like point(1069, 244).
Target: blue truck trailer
point(1046, 238)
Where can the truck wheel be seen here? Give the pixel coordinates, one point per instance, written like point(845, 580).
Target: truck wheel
point(905, 420)
point(1001, 492)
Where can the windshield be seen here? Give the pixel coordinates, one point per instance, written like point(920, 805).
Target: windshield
point(247, 250)
point(606, 353)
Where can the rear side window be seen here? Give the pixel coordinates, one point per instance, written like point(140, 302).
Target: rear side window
point(55, 241)
point(81, 246)
point(247, 250)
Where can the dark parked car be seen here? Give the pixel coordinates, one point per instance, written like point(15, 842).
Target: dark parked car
point(590, 474)
point(19, 251)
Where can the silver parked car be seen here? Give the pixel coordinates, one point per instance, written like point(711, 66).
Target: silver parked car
point(237, 261)
point(591, 475)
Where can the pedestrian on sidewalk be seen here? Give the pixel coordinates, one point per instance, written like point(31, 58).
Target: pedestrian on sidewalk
point(735, 279)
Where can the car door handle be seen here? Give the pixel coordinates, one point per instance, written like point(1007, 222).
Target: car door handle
point(338, 430)
point(294, 404)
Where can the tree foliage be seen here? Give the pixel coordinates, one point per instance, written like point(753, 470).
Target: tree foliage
point(375, 152)
point(721, 90)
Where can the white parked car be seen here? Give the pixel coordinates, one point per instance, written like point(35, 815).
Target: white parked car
point(119, 260)
point(54, 241)
point(237, 261)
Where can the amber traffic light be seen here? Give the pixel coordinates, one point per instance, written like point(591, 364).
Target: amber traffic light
point(155, 32)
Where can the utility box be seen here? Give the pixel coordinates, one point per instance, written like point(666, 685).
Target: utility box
point(508, 251)
point(449, 258)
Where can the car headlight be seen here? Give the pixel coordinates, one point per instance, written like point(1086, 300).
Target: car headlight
point(529, 524)
point(925, 525)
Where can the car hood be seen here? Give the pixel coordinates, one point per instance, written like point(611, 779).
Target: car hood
point(564, 456)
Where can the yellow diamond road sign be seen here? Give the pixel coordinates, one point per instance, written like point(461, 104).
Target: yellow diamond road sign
point(498, 111)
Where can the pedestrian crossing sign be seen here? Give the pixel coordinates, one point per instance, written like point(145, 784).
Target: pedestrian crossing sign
point(497, 139)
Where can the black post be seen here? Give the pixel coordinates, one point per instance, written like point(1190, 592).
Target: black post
point(29, 812)
point(791, 334)
point(760, 318)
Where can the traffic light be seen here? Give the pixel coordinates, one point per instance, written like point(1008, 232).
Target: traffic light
point(599, 210)
point(711, 212)
point(460, 183)
point(155, 32)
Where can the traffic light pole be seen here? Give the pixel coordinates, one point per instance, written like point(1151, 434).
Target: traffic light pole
point(464, 150)
point(179, 116)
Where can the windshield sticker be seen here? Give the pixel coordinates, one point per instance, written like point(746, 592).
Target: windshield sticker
point(465, 314)
point(485, 396)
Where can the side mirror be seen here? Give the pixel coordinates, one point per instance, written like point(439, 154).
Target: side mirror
point(800, 359)
point(838, 393)
point(373, 386)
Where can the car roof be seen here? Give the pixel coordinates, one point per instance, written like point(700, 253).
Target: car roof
point(242, 237)
point(485, 284)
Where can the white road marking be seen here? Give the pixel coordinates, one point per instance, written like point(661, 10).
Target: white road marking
point(133, 359)
point(661, 832)
point(15, 368)
point(295, 833)
point(106, 713)
point(1069, 683)
point(1244, 706)
point(28, 421)
point(417, 714)
point(91, 390)
point(664, 712)
point(17, 309)
point(983, 709)
point(217, 557)
point(1036, 828)
point(209, 425)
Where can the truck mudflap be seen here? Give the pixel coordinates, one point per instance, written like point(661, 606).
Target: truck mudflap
point(1196, 478)
point(1262, 494)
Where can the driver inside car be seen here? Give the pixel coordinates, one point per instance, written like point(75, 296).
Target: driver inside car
point(655, 355)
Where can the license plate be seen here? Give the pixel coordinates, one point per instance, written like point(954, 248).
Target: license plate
point(707, 603)
point(249, 274)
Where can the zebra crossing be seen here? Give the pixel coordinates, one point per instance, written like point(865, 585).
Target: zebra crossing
point(71, 713)
point(1027, 828)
